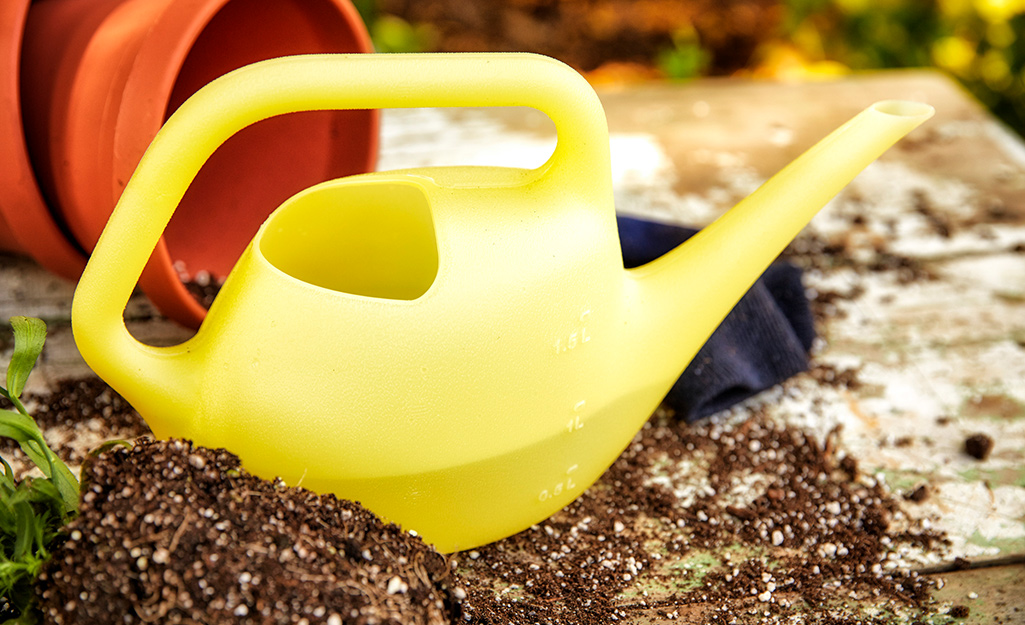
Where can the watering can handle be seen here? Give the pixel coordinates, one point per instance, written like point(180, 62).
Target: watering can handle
point(305, 83)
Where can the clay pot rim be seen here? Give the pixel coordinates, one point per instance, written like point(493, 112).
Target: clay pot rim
point(160, 280)
point(22, 205)
point(46, 233)
point(155, 69)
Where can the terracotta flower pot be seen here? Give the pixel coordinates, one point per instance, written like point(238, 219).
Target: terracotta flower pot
point(26, 226)
point(99, 77)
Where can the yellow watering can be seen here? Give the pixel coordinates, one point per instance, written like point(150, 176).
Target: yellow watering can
point(458, 348)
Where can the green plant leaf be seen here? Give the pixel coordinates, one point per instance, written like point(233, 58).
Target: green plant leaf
point(23, 429)
point(107, 445)
point(32, 510)
point(24, 519)
point(29, 336)
point(8, 476)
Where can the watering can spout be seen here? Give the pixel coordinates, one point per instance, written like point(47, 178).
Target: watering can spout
point(681, 297)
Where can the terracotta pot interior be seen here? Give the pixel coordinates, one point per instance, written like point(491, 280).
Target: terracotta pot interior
point(254, 171)
point(265, 164)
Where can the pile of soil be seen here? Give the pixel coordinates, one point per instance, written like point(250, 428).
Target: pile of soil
point(736, 520)
point(173, 533)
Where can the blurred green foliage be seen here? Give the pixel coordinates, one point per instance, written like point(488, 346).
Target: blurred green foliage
point(391, 33)
point(394, 34)
point(686, 58)
point(980, 42)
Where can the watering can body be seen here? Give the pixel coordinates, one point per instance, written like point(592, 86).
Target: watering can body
point(461, 385)
point(460, 349)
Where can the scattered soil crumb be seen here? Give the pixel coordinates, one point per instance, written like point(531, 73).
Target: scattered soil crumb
point(836, 377)
point(978, 446)
point(813, 251)
point(203, 288)
point(173, 533)
point(959, 611)
point(919, 494)
point(941, 224)
point(747, 522)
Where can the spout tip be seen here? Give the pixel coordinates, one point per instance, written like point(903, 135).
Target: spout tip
point(904, 108)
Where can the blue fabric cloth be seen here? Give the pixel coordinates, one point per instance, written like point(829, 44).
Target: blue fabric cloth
point(763, 341)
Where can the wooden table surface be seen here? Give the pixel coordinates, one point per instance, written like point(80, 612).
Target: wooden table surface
point(938, 359)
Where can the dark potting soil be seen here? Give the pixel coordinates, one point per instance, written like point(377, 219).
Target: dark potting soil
point(204, 289)
point(978, 446)
point(743, 521)
point(173, 533)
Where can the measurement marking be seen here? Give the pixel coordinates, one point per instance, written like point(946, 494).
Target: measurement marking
point(565, 485)
point(577, 422)
point(575, 338)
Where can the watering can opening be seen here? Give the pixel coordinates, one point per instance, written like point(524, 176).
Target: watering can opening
point(370, 239)
point(903, 108)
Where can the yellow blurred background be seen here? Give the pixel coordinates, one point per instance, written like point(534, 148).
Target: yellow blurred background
point(979, 42)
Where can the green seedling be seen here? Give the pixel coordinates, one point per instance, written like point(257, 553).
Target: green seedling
point(32, 510)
